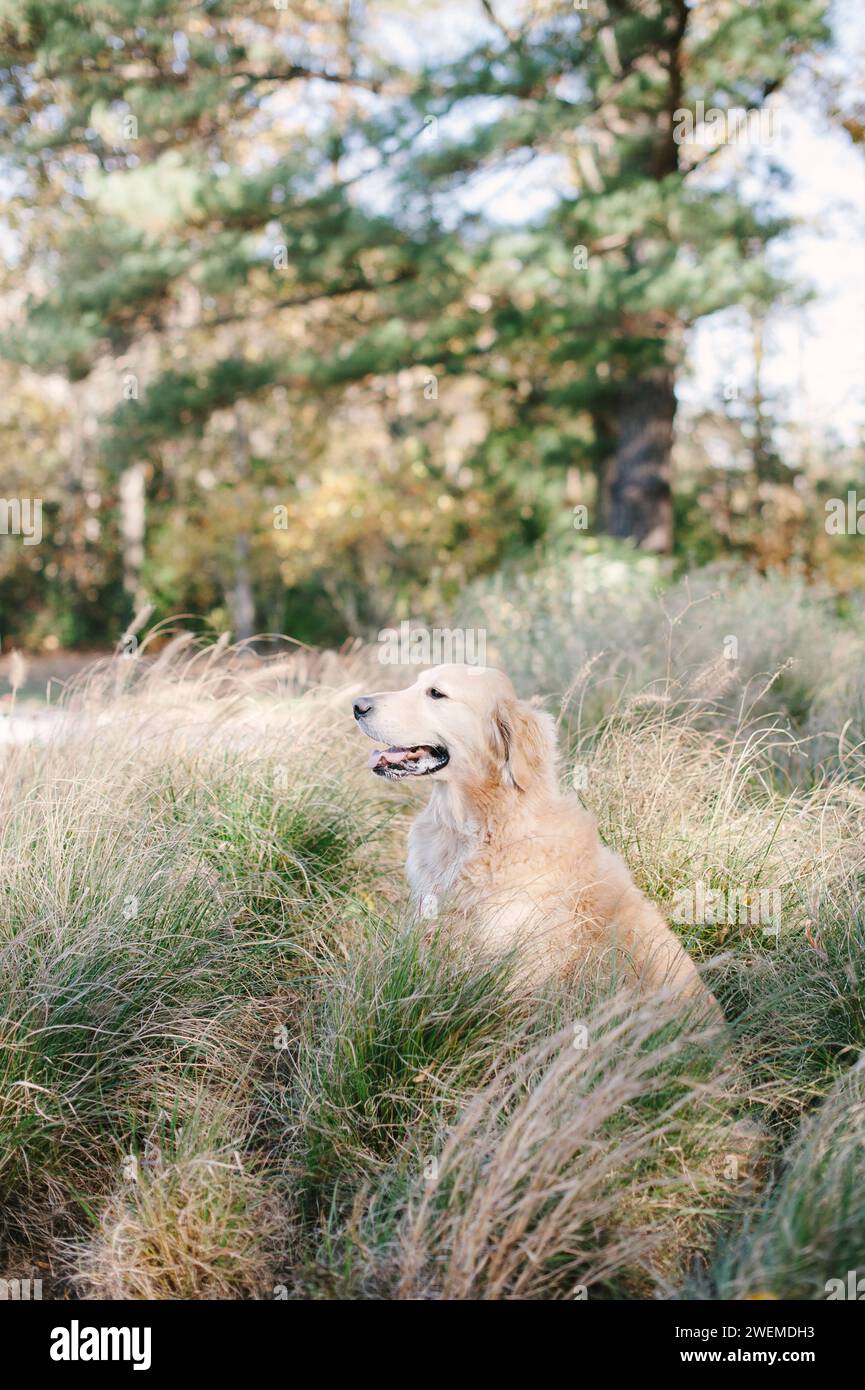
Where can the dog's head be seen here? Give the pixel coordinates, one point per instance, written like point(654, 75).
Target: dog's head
point(460, 724)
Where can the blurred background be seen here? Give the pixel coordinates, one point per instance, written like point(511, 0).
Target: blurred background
point(316, 315)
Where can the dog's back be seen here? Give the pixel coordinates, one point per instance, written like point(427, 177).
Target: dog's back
point(540, 878)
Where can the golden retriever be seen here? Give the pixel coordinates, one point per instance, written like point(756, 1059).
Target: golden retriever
point(499, 840)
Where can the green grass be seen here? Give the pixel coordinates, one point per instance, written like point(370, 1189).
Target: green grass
point(232, 1064)
point(403, 1028)
point(809, 1228)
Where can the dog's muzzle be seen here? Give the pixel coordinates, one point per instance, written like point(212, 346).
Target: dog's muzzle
point(417, 761)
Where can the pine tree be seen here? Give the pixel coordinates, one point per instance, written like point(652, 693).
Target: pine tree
point(240, 202)
point(648, 233)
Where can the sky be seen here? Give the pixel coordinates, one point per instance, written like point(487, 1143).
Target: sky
point(814, 355)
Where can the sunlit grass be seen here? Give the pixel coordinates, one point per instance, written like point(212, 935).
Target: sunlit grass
point(233, 1064)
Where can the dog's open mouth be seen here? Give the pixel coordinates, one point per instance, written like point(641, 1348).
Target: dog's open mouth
point(407, 762)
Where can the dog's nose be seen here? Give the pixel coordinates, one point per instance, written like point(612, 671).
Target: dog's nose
point(362, 707)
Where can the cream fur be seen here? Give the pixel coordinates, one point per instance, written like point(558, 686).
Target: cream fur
point(499, 842)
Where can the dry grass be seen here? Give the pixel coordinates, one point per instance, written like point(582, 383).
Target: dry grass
point(210, 982)
point(190, 1219)
point(565, 1171)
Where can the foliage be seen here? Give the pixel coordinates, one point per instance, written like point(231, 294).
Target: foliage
point(261, 253)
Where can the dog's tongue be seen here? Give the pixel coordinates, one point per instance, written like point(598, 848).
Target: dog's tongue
point(381, 757)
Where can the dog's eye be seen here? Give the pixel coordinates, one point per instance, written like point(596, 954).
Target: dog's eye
point(436, 694)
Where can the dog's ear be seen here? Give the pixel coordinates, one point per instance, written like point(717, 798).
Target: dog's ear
point(524, 743)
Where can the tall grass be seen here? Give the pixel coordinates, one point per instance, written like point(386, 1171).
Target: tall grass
point(232, 1065)
point(810, 1228)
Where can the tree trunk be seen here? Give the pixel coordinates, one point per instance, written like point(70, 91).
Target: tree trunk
point(241, 600)
point(640, 505)
point(639, 492)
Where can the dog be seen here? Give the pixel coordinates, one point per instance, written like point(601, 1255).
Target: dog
point(521, 861)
